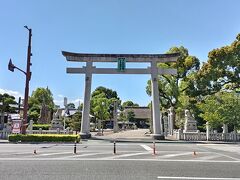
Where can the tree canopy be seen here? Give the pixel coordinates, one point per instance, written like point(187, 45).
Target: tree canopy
point(102, 102)
point(221, 108)
point(6, 100)
point(170, 87)
point(40, 97)
point(220, 72)
point(129, 103)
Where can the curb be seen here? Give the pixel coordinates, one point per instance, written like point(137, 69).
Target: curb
point(160, 141)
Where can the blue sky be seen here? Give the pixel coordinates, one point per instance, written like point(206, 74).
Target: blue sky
point(106, 26)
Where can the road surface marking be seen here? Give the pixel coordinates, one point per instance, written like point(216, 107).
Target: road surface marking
point(82, 155)
point(51, 154)
point(108, 159)
point(175, 155)
point(146, 147)
point(236, 159)
point(209, 157)
point(200, 178)
point(125, 155)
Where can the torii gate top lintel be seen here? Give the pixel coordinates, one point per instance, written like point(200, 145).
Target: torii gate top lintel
point(91, 57)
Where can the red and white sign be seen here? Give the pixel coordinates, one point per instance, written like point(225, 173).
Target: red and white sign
point(16, 126)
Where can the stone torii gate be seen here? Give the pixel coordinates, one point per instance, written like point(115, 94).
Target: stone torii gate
point(153, 70)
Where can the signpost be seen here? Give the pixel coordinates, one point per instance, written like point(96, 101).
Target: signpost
point(121, 64)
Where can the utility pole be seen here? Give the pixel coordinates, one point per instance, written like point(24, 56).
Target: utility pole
point(28, 77)
point(28, 73)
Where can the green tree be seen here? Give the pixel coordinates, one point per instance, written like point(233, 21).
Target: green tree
point(100, 106)
point(129, 103)
point(172, 88)
point(220, 72)
point(74, 122)
point(39, 97)
point(71, 105)
point(221, 108)
point(5, 101)
point(103, 100)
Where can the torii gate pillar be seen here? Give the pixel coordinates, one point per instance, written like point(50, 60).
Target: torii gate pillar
point(157, 124)
point(85, 124)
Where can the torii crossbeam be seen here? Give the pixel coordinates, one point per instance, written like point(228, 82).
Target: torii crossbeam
point(89, 69)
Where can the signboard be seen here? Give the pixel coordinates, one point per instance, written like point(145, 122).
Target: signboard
point(16, 126)
point(121, 64)
point(14, 116)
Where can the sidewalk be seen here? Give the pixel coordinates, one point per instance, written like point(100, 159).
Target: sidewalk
point(143, 136)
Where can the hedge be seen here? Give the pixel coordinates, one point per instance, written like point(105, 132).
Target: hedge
point(43, 126)
point(43, 138)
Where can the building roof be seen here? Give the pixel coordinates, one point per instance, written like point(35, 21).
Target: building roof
point(140, 112)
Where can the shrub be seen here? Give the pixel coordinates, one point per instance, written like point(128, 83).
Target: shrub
point(43, 126)
point(43, 138)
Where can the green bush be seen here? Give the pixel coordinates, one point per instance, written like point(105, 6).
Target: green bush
point(43, 126)
point(43, 138)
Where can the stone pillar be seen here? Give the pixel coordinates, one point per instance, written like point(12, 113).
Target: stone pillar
point(85, 124)
point(115, 124)
point(207, 131)
point(170, 121)
point(30, 127)
point(99, 126)
point(225, 128)
point(157, 124)
point(165, 122)
point(179, 134)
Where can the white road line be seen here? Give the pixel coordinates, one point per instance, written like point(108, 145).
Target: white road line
point(208, 157)
point(200, 178)
point(125, 155)
point(236, 159)
point(82, 155)
point(52, 154)
point(175, 155)
point(146, 147)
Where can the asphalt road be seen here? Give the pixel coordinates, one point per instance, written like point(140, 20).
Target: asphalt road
point(95, 160)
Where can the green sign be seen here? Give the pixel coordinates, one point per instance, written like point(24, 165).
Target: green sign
point(121, 64)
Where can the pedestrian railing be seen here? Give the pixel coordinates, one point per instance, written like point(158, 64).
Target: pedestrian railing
point(4, 134)
point(202, 136)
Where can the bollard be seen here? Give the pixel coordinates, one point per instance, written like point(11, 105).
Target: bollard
point(75, 148)
point(194, 153)
point(114, 147)
point(75, 145)
point(154, 148)
point(34, 151)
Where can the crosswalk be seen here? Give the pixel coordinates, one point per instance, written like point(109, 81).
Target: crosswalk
point(136, 152)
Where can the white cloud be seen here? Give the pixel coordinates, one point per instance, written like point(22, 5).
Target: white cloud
point(60, 95)
point(16, 94)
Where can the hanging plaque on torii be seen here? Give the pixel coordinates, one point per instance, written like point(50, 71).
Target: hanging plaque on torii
point(121, 60)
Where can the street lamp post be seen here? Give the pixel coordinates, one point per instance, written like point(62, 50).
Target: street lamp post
point(11, 67)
